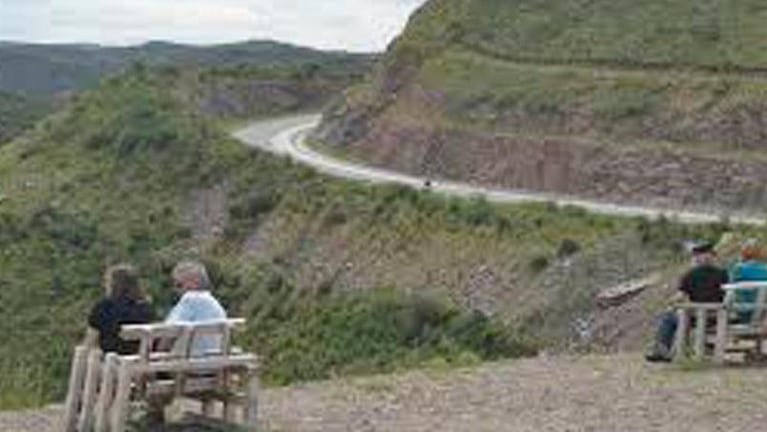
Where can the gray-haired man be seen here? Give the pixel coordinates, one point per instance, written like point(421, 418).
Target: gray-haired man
point(196, 304)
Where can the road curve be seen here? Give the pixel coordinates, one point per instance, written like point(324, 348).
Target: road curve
point(286, 136)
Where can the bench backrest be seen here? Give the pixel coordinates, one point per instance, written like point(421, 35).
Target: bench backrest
point(150, 336)
point(758, 308)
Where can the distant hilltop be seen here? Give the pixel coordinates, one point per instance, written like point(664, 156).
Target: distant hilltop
point(42, 69)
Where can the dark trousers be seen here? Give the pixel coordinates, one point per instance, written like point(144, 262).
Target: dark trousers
point(667, 325)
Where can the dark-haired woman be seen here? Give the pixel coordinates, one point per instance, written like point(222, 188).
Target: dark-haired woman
point(124, 303)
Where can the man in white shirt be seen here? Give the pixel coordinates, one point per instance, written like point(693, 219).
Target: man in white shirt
point(196, 303)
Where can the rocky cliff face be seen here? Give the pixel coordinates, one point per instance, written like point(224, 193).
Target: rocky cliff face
point(474, 91)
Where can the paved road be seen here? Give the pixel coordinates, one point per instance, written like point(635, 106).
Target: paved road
point(285, 136)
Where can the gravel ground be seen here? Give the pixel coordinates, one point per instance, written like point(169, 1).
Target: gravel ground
point(592, 394)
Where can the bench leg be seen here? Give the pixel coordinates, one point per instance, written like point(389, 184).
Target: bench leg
point(106, 393)
point(121, 403)
point(680, 341)
point(207, 408)
point(225, 384)
point(228, 414)
point(90, 391)
point(76, 378)
point(250, 410)
point(700, 334)
point(721, 337)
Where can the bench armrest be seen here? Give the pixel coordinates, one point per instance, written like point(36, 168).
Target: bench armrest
point(198, 364)
point(702, 306)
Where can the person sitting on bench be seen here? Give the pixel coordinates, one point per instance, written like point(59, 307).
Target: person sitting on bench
point(751, 268)
point(124, 303)
point(196, 304)
point(701, 284)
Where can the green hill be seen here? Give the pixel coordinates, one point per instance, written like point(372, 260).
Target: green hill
point(659, 102)
point(715, 34)
point(49, 69)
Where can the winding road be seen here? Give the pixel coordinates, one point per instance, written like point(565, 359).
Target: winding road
point(286, 136)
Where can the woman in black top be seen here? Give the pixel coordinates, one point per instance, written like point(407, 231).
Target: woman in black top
point(125, 303)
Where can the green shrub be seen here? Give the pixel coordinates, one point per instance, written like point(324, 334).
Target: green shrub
point(373, 332)
point(539, 263)
point(567, 248)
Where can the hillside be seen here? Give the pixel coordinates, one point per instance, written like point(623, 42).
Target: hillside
point(655, 103)
point(248, 92)
point(335, 278)
point(51, 69)
point(18, 113)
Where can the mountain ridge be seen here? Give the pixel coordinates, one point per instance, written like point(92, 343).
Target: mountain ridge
point(49, 69)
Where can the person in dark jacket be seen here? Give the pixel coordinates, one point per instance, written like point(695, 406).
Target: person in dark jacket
point(701, 284)
point(124, 303)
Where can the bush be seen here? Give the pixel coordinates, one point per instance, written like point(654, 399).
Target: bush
point(375, 332)
point(539, 263)
point(568, 248)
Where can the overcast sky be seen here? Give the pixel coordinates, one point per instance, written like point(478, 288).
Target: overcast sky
point(358, 25)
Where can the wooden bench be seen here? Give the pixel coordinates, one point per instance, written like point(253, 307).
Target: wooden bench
point(727, 334)
point(102, 390)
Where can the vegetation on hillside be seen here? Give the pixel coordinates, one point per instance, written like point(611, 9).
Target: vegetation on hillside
point(17, 114)
point(249, 92)
point(694, 111)
point(713, 34)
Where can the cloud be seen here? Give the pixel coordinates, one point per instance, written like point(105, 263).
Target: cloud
point(359, 25)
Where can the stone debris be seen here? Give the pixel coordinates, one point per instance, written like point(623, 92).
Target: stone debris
point(620, 294)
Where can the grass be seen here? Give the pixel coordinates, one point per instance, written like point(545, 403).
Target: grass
point(627, 107)
point(714, 34)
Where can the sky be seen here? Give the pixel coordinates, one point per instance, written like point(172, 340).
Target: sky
point(354, 25)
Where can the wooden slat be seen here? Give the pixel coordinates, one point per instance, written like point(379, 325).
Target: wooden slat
point(228, 411)
point(758, 319)
point(683, 325)
point(700, 306)
point(700, 333)
point(192, 385)
point(199, 364)
point(182, 347)
point(164, 330)
point(121, 402)
point(74, 395)
point(758, 315)
point(720, 343)
point(207, 407)
point(745, 285)
point(106, 392)
point(250, 409)
point(90, 391)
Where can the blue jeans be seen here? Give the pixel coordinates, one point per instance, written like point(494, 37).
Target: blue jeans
point(668, 322)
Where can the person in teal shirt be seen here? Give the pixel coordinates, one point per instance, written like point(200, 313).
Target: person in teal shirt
point(751, 268)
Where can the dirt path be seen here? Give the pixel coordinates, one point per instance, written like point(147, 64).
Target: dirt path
point(595, 394)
